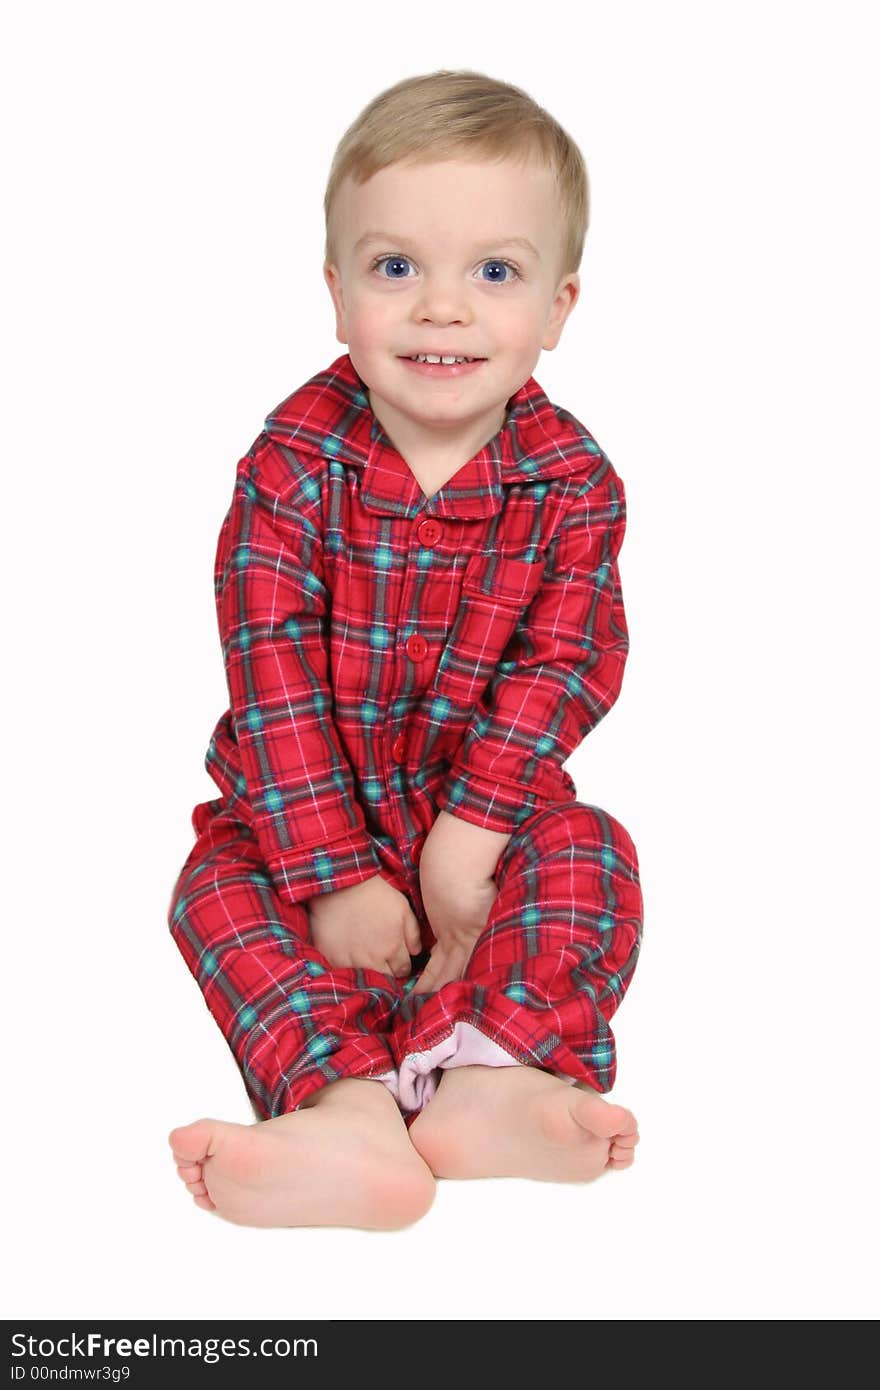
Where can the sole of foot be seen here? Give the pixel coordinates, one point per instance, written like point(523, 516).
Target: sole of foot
point(345, 1162)
point(521, 1122)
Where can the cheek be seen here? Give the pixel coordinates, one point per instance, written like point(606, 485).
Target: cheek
point(517, 326)
point(372, 322)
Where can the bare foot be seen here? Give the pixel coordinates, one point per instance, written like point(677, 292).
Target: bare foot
point(343, 1159)
point(521, 1122)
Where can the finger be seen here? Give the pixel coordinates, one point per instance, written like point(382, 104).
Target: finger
point(400, 963)
point(425, 982)
point(430, 981)
point(442, 969)
point(413, 935)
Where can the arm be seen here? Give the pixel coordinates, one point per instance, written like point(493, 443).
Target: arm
point(456, 866)
point(272, 605)
point(562, 672)
point(457, 848)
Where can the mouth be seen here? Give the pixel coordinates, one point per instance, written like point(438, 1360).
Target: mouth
point(447, 358)
point(442, 365)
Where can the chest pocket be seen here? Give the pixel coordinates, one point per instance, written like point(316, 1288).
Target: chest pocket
point(496, 591)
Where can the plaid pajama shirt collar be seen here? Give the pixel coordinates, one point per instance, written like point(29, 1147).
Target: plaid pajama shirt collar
point(330, 414)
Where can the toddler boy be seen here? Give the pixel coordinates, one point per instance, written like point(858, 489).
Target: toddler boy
point(410, 931)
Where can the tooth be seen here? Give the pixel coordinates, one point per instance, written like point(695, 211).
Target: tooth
point(447, 361)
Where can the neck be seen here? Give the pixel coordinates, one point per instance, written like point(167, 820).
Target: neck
point(437, 447)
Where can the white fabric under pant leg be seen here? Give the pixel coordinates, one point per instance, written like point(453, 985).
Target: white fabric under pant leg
point(417, 1080)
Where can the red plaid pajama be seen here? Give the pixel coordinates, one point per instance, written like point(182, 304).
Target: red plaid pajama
point(389, 655)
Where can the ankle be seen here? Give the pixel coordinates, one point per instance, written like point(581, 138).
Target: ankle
point(362, 1092)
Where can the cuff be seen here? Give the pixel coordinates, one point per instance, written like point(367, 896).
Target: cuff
point(492, 804)
point(325, 868)
point(465, 1046)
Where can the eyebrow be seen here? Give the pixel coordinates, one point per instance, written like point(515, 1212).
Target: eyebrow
point(388, 238)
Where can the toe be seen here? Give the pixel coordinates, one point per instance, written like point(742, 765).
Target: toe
point(192, 1143)
point(622, 1151)
point(190, 1172)
point(626, 1141)
point(204, 1202)
point(620, 1161)
point(628, 1127)
point(198, 1189)
point(596, 1115)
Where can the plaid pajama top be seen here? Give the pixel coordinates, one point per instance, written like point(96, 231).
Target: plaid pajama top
point(389, 654)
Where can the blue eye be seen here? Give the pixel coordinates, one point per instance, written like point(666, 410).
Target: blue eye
point(394, 261)
point(504, 265)
point(393, 267)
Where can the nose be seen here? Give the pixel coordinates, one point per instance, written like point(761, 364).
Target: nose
point(442, 301)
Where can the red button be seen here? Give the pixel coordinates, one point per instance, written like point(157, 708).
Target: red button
point(398, 749)
point(429, 532)
point(416, 647)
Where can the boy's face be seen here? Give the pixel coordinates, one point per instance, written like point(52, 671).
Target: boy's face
point(443, 231)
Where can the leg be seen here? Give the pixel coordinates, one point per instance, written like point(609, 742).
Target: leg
point(547, 974)
point(325, 1153)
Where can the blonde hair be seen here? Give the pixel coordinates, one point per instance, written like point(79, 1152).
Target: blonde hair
point(462, 114)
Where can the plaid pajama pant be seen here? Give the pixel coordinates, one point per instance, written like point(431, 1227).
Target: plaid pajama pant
point(547, 973)
point(390, 655)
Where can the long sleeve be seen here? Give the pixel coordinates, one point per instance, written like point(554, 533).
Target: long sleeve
point(272, 605)
point(560, 673)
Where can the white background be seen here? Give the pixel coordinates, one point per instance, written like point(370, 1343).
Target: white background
point(164, 171)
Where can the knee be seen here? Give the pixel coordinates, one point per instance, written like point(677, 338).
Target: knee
point(576, 824)
point(225, 888)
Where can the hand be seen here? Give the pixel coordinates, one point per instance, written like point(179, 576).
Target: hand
point(457, 912)
point(369, 926)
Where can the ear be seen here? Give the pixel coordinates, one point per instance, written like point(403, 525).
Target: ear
point(334, 284)
point(566, 297)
